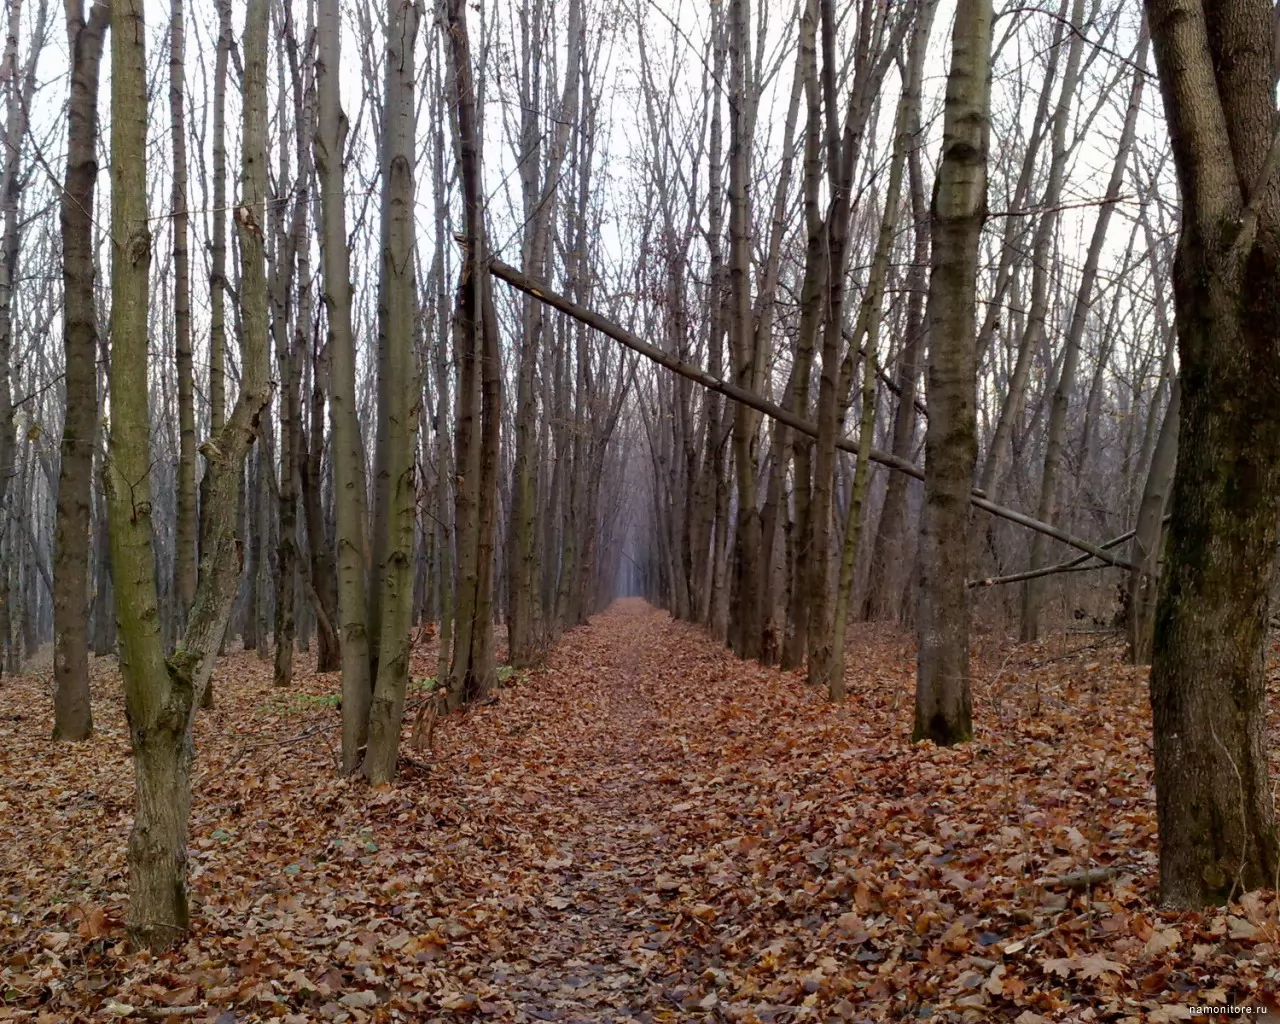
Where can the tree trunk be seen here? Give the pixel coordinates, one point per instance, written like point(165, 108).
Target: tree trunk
point(73, 717)
point(746, 623)
point(161, 695)
point(399, 398)
point(348, 456)
point(812, 290)
point(479, 394)
point(959, 209)
point(1148, 537)
point(867, 335)
point(217, 272)
point(21, 85)
point(1214, 799)
point(185, 532)
point(887, 578)
point(1046, 228)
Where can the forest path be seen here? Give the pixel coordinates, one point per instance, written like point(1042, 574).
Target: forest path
point(609, 764)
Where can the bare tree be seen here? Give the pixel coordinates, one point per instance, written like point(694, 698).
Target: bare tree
point(959, 209)
point(73, 717)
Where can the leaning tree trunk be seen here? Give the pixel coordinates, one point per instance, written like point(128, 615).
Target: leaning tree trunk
point(867, 335)
point(1214, 801)
point(1010, 415)
point(73, 717)
point(959, 209)
point(889, 559)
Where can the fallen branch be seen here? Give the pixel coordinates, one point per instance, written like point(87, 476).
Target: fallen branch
point(1074, 565)
point(699, 376)
point(1088, 878)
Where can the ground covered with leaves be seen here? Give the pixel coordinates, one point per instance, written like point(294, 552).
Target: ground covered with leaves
point(645, 829)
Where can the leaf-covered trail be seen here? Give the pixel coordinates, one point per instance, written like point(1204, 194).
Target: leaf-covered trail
point(601, 779)
point(645, 829)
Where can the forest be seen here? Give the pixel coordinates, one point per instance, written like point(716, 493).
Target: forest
point(639, 510)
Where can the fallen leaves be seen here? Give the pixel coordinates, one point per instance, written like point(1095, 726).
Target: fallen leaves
point(645, 829)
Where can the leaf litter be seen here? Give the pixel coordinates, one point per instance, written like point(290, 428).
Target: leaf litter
point(645, 829)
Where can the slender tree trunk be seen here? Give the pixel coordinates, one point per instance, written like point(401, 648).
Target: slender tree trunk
point(867, 335)
point(217, 272)
point(813, 289)
point(73, 717)
point(889, 570)
point(348, 456)
point(1033, 592)
point(185, 533)
point(19, 83)
point(479, 395)
point(1033, 333)
point(1148, 538)
point(399, 397)
point(959, 209)
point(284, 627)
point(746, 620)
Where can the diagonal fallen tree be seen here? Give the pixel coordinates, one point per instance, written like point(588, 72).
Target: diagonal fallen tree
point(529, 286)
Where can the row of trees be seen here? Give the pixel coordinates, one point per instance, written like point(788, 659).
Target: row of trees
point(412, 443)
point(313, 497)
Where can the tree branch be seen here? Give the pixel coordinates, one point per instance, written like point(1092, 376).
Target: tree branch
point(520, 281)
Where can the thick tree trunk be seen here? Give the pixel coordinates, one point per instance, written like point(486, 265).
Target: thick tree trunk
point(1214, 799)
point(73, 717)
point(161, 696)
point(959, 209)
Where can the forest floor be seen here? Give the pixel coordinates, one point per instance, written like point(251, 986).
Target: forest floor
point(645, 829)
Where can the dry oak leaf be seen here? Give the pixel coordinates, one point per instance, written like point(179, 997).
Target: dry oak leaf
point(1239, 928)
point(1061, 966)
point(1096, 966)
point(1162, 941)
